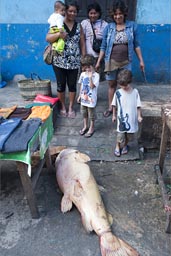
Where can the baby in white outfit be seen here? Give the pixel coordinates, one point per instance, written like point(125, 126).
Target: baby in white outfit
point(56, 20)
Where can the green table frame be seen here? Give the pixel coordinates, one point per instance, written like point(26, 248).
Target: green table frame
point(42, 137)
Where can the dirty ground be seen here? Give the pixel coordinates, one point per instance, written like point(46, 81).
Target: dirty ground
point(129, 192)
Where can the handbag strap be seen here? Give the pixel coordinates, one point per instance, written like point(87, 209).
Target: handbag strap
point(93, 30)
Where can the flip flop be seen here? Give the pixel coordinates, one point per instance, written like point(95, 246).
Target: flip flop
point(124, 150)
point(63, 113)
point(83, 131)
point(88, 134)
point(117, 153)
point(107, 113)
point(71, 114)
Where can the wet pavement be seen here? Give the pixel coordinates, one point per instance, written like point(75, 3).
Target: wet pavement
point(128, 188)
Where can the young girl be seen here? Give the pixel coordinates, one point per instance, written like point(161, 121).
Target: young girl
point(127, 102)
point(89, 82)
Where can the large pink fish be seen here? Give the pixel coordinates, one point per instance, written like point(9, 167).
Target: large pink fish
point(80, 188)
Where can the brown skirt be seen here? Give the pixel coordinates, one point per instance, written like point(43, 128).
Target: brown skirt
point(113, 65)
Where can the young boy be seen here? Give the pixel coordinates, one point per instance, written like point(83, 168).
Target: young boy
point(89, 82)
point(56, 20)
point(127, 102)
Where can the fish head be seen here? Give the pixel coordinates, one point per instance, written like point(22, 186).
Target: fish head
point(73, 154)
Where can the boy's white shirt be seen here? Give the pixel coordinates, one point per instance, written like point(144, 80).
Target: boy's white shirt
point(130, 101)
point(56, 19)
point(88, 96)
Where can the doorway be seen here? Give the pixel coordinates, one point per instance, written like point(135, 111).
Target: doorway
point(105, 6)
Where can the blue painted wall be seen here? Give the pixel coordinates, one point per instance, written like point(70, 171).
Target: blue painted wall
point(24, 26)
point(154, 19)
point(22, 50)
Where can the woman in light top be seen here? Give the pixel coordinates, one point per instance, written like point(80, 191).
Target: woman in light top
point(96, 23)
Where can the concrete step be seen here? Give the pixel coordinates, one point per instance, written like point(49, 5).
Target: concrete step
point(103, 140)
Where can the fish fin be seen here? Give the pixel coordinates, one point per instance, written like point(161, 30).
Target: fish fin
point(66, 204)
point(110, 218)
point(130, 251)
point(101, 188)
point(110, 245)
point(82, 158)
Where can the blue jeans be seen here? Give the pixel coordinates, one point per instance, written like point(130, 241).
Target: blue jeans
point(113, 74)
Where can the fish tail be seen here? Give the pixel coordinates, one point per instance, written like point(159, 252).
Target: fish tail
point(110, 245)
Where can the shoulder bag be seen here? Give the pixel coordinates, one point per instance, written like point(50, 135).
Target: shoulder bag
point(48, 54)
point(96, 42)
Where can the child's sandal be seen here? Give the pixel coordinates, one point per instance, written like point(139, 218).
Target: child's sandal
point(83, 131)
point(124, 150)
point(117, 153)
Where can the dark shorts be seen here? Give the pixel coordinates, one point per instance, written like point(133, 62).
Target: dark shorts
point(66, 77)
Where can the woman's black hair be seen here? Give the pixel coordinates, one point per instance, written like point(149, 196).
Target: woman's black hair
point(119, 4)
point(72, 3)
point(95, 6)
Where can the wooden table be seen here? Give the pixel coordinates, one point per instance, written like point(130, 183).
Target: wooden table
point(161, 171)
point(42, 138)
